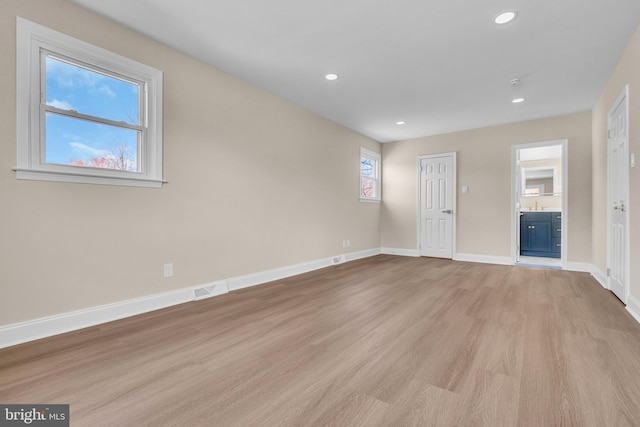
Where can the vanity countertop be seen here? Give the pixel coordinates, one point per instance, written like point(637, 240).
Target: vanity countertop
point(541, 210)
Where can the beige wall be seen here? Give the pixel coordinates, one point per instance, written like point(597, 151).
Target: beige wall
point(484, 164)
point(627, 72)
point(255, 183)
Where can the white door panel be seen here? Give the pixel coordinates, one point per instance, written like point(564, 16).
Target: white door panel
point(436, 206)
point(617, 190)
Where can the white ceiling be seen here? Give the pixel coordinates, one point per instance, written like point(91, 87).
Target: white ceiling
point(439, 65)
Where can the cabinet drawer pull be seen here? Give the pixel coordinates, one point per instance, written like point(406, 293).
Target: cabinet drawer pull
point(558, 217)
point(558, 229)
point(558, 244)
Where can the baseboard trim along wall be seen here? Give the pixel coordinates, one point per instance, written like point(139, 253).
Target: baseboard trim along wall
point(281, 273)
point(45, 327)
point(401, 252)
point(633, 307)
point(48, 326)
point(484, 259)
point(599, 276)
point(579, 267)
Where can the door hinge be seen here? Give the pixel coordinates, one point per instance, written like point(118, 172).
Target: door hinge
point(609, 133)
point(608, 272)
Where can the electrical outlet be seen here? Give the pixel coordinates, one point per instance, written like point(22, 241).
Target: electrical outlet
point(168, 270)
point(348, 243)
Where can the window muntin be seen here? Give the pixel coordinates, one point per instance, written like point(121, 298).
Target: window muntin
point(87, 114)
point(369, 175)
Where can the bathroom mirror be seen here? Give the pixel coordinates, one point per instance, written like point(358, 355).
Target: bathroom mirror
point(541, 181)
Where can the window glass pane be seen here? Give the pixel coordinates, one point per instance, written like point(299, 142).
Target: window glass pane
point(367, 167)
point(367, 187)
point(71, 87)
point(71, 141)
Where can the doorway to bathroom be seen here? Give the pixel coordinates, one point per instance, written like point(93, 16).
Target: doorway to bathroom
point(539, 204)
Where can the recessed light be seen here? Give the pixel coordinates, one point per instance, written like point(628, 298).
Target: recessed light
point(331, 76)
point(505, 17)
point(400, 122)
point(517, 100)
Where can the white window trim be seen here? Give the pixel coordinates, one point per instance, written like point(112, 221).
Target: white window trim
point(378, 159)
point(31, 39)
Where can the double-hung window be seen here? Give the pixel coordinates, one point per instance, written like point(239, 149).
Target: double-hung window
point(85, 114)
point(369, 176)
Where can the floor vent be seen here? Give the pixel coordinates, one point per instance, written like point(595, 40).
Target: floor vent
point(210, 291)
point(338, 260)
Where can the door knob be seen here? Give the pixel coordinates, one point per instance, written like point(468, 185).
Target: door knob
point(448, 211)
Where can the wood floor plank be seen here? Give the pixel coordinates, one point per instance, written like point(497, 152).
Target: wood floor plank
point(385, 341)
point(491, 400)
point(421, 404)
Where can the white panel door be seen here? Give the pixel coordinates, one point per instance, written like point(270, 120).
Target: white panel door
point(617, 188)
point(436, 207)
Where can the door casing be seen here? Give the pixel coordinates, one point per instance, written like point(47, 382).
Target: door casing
point(515, 199)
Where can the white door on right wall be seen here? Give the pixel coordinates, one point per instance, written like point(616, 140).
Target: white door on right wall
point(617, 189)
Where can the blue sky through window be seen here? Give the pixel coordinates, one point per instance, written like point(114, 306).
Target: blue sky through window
point(74, 141)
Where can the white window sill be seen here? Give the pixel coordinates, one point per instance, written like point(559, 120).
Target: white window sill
point(36, 175)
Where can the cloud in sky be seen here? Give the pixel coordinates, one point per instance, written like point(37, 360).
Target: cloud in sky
point(74, 77)
point(103, 89)
point(63, 105)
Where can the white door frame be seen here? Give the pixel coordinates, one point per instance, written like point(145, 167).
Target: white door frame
point(454, 198)
point(623, 97)
point(515, 202)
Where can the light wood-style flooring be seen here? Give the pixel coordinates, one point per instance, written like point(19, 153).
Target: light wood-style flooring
point(385, 341)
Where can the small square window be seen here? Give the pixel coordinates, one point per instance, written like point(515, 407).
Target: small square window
point(369, 175)
point(87, 115)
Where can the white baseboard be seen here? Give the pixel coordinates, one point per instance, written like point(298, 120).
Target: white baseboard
point(599, 276)
point(293, 270)
point(484, 259)
point(48, 326)
point(362, 254)
point(249, 280)
point(633, 307)
point(633, 304)
point(581, 267)
point(401, 252)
